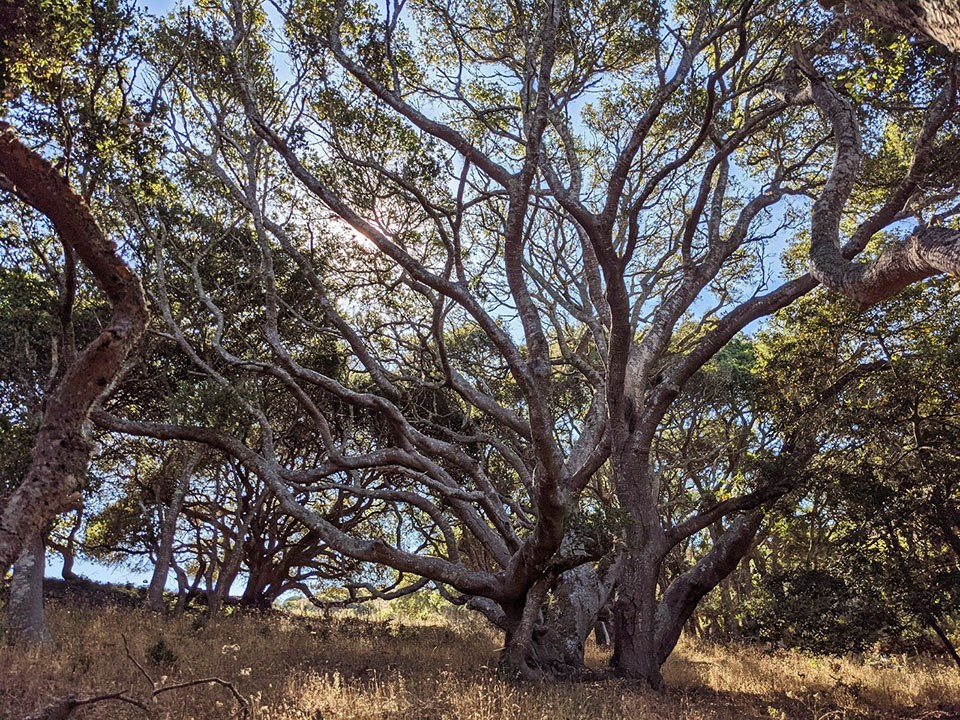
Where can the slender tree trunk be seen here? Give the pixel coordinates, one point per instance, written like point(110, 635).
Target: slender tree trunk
point(25, 616)
point(167, 536)
point(232, 560)
point(183, 589)
point(69, 551)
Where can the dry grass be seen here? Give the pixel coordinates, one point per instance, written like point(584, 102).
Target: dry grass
point(303, 668)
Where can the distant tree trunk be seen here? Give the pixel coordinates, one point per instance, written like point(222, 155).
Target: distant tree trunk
point(68, 550)
point(263, 583)
point(183, 589)
point(225, 579)
point(168, 533)
point(232, 560)
point(25, 615)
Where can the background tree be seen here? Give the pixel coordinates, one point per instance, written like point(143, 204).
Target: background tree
point(885, 495)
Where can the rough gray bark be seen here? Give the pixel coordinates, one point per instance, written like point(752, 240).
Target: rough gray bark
point(578, 598)
point(938, 20)
point(634, 631)
point(928, 251)
point(61, 452)
point(647, 628)
point(564, 615)
point(25, 616)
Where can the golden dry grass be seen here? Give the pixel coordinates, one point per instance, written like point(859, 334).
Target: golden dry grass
point(304, 668)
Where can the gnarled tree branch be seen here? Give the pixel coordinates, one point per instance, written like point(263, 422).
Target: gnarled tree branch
point(62, 451)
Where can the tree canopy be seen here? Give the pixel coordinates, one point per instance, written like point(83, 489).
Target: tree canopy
point(466, 297)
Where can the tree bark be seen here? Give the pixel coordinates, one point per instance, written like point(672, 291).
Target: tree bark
point(61, 452)
point(167, 536)
point(69, 551)
point(686, 591)
point(938, 20)
point(232, 560)
point(564, 616)
point(519, 658)
point(928, 251)
point(25, 616)
point(634, 620)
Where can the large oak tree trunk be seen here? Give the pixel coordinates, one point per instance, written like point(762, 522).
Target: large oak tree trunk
point(572, 614)
point(647, 628)
point(936, 19)
point(566, 619)
point(634, 616)
point(61, 452)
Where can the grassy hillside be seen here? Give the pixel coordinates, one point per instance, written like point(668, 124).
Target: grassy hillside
point(294, 667)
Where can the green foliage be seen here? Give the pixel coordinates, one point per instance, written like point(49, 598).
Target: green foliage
point(161, 654)
point(28, 333)
point(878, 527)
point(37, 37)
point(820, 611)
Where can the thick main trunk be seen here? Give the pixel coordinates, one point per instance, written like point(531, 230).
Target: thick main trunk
point(646, 630)
point(938, 20)
point(634, 613)
point(634, 618)
point(25, 616)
